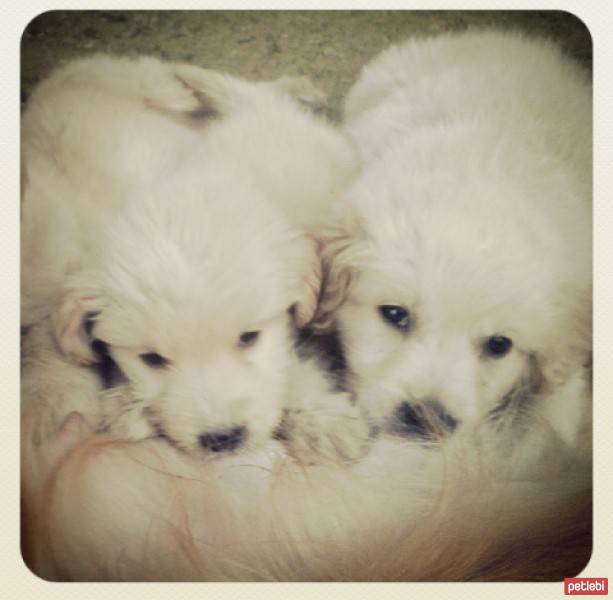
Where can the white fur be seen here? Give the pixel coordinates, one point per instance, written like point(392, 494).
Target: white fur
point(142, 511)
point(486, 504)
point(174, 208)
point(473, 212)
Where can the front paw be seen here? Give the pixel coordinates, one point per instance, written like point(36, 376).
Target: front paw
point(334, 432)
point(122, 415)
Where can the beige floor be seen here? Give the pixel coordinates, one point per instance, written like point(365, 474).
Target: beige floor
point(328, 46)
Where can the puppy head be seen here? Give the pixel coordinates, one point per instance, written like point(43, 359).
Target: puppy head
point(453, 299)
point(194, 305)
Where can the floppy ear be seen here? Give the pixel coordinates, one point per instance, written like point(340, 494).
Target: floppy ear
point(570, 348)
point(71, 323)
point(310, 287)
point(335, 247)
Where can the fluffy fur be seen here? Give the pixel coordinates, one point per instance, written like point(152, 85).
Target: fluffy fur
point(126, 511)
point(168, 216)
point(473, 214)
point(478, 225)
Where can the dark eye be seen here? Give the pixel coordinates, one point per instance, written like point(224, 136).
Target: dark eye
point(154, 360)
point(396, 316)
point(497, 346)
point(248, 338)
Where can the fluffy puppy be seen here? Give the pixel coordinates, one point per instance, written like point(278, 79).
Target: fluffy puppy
point(167, 220)
point(472, 228)
point(459, 267)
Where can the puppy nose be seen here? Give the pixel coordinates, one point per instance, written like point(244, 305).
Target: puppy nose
point(222, 441)
point(425, 419)
point(440, 415)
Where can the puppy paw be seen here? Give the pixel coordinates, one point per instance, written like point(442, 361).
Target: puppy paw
point(186, 93)
point(121, 415)
point(334, 432)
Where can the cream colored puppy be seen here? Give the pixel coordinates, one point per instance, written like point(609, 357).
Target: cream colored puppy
point(437, 228)
point(168, 216)
point(460, 262)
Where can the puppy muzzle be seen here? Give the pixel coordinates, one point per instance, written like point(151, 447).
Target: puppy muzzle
point(426, 420)
point(223, 441)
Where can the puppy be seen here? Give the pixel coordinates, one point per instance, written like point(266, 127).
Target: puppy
point(456, 511)
point(459, 265)
point(168, 219)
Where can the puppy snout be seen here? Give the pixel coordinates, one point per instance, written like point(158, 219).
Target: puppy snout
point(427, 419)
point(435, 412)
point(223, 441)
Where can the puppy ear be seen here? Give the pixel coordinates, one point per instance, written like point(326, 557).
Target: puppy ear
point(310, 287)
point(71, 324)
point(570, 348)
point(336, 244)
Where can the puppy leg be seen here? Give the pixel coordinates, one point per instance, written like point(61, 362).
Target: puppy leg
point(319, 423)
point(204, 93)
point(122, 416)
point(189, 94)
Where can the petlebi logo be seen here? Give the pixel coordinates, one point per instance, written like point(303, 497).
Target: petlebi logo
point(586, 586)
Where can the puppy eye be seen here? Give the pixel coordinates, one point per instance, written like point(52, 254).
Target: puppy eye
point(154, 360)
point(396, 316)
point(249, 338)
point(497, 346)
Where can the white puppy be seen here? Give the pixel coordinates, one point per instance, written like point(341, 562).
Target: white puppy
point(167, 225)
point(402, 513)
point(459, 267)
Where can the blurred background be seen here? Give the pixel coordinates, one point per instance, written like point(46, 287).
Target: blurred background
point(328, 46)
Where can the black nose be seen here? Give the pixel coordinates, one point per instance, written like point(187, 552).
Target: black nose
point(221, 441)
point(427, 420)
